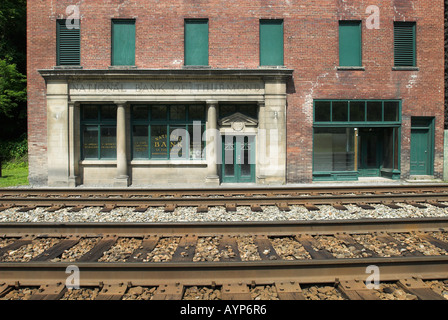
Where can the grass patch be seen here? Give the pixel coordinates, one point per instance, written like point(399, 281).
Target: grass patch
point(14, 174)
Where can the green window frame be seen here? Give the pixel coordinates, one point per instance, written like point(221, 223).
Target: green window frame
point(342, 118)
point(68, 43)
point(98, 132)
point(271, 42)
point(196, 37)
point(154, 129)
point(123, 42)
point(405, 44)
point(350, 43)
point(357, 112)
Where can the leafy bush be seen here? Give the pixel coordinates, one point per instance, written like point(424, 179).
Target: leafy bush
point(15, 151)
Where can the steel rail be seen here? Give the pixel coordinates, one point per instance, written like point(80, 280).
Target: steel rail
point(270, 228)
point(241, 201)
point(206, 273)
point(227, 190)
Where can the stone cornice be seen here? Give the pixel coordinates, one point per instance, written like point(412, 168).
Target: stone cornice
point(186, 73)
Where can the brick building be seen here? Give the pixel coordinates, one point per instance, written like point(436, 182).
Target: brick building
point(269, 92)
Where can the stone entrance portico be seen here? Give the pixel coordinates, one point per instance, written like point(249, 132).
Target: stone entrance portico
point(69, 90)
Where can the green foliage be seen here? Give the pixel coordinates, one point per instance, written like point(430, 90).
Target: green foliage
point(13, 32)
point(12, 89)
point(15, 151)
point(13, 93)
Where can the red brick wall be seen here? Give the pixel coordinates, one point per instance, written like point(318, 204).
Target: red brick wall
point(311, 49)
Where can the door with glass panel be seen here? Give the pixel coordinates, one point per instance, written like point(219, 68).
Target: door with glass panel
point(238, 163)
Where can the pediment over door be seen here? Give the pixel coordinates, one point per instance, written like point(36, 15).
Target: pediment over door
point(238, 121)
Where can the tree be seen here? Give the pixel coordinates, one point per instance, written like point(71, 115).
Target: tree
point(12, 68)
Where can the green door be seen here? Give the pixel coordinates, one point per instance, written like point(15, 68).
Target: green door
point(238, 159)
point(370, 153)
point(420, 153)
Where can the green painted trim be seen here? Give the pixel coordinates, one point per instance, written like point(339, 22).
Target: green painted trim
point(350, 43)
point(99, 123)
point(168, 123)
point(426, 124)
point(271, 42)
point(123, 42)
point(196, 42)
point(237, 177)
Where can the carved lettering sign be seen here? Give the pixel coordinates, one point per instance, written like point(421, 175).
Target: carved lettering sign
point(165, 87)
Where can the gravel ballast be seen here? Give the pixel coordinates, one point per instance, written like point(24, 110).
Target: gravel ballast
point(219, 214)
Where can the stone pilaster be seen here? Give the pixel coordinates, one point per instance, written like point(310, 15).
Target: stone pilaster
point(122, 179)
point(212, 143)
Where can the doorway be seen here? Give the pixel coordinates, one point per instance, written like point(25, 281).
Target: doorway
point(422, 146)
point(238, 159)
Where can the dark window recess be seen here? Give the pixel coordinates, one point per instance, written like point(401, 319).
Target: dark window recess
point(68, 45)
point(404, 44)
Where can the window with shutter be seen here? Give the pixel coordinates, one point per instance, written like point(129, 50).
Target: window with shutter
point(123, 42)
point(404, 44)
point(271, 43)
point(350, 49)
point(68, 44)
point(196, 42)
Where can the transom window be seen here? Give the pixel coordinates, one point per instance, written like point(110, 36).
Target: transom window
point(356, 111)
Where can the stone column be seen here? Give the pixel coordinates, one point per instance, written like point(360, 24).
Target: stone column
point(212, 143)
point(262, 143)
point(72, 179)
point(122, 179)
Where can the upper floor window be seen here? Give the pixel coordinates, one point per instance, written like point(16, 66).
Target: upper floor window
point(196, 42)
point(123, 42)
point(350, 48)
point(404, 44)
point(271, 43)
point(68, 43)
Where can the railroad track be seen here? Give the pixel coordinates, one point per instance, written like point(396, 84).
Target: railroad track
point(233, 258)
point(283, 198)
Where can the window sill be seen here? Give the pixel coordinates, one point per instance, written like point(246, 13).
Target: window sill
point(271, 67)
point(122, 67)
point(111, 162)
point(196, 67)
point(351, 68)
point(167, 162)
point(74, 67)
point(405, 68)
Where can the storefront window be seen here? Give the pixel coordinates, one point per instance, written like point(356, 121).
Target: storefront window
point(334, 149)
point(168, 131)
point(99, 131)
point(356, 138)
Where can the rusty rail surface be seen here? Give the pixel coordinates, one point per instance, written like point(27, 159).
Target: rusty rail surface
point(321, 268)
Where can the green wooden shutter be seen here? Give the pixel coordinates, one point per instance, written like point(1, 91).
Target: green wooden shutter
point(271, 43)
point(123, 42)
point(196, 42)
point(350, 48)
point(404, 44)
point(68, 44)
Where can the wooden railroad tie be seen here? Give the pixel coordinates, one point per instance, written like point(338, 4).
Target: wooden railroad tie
point(173, 291)
point(112, 292)
point(235, 291)
point(418, 288)
point(289, 290)
point(357, 290)
point(50, 292)
point(186, 248)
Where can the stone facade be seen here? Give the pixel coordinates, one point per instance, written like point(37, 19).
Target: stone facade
point(284, 95)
